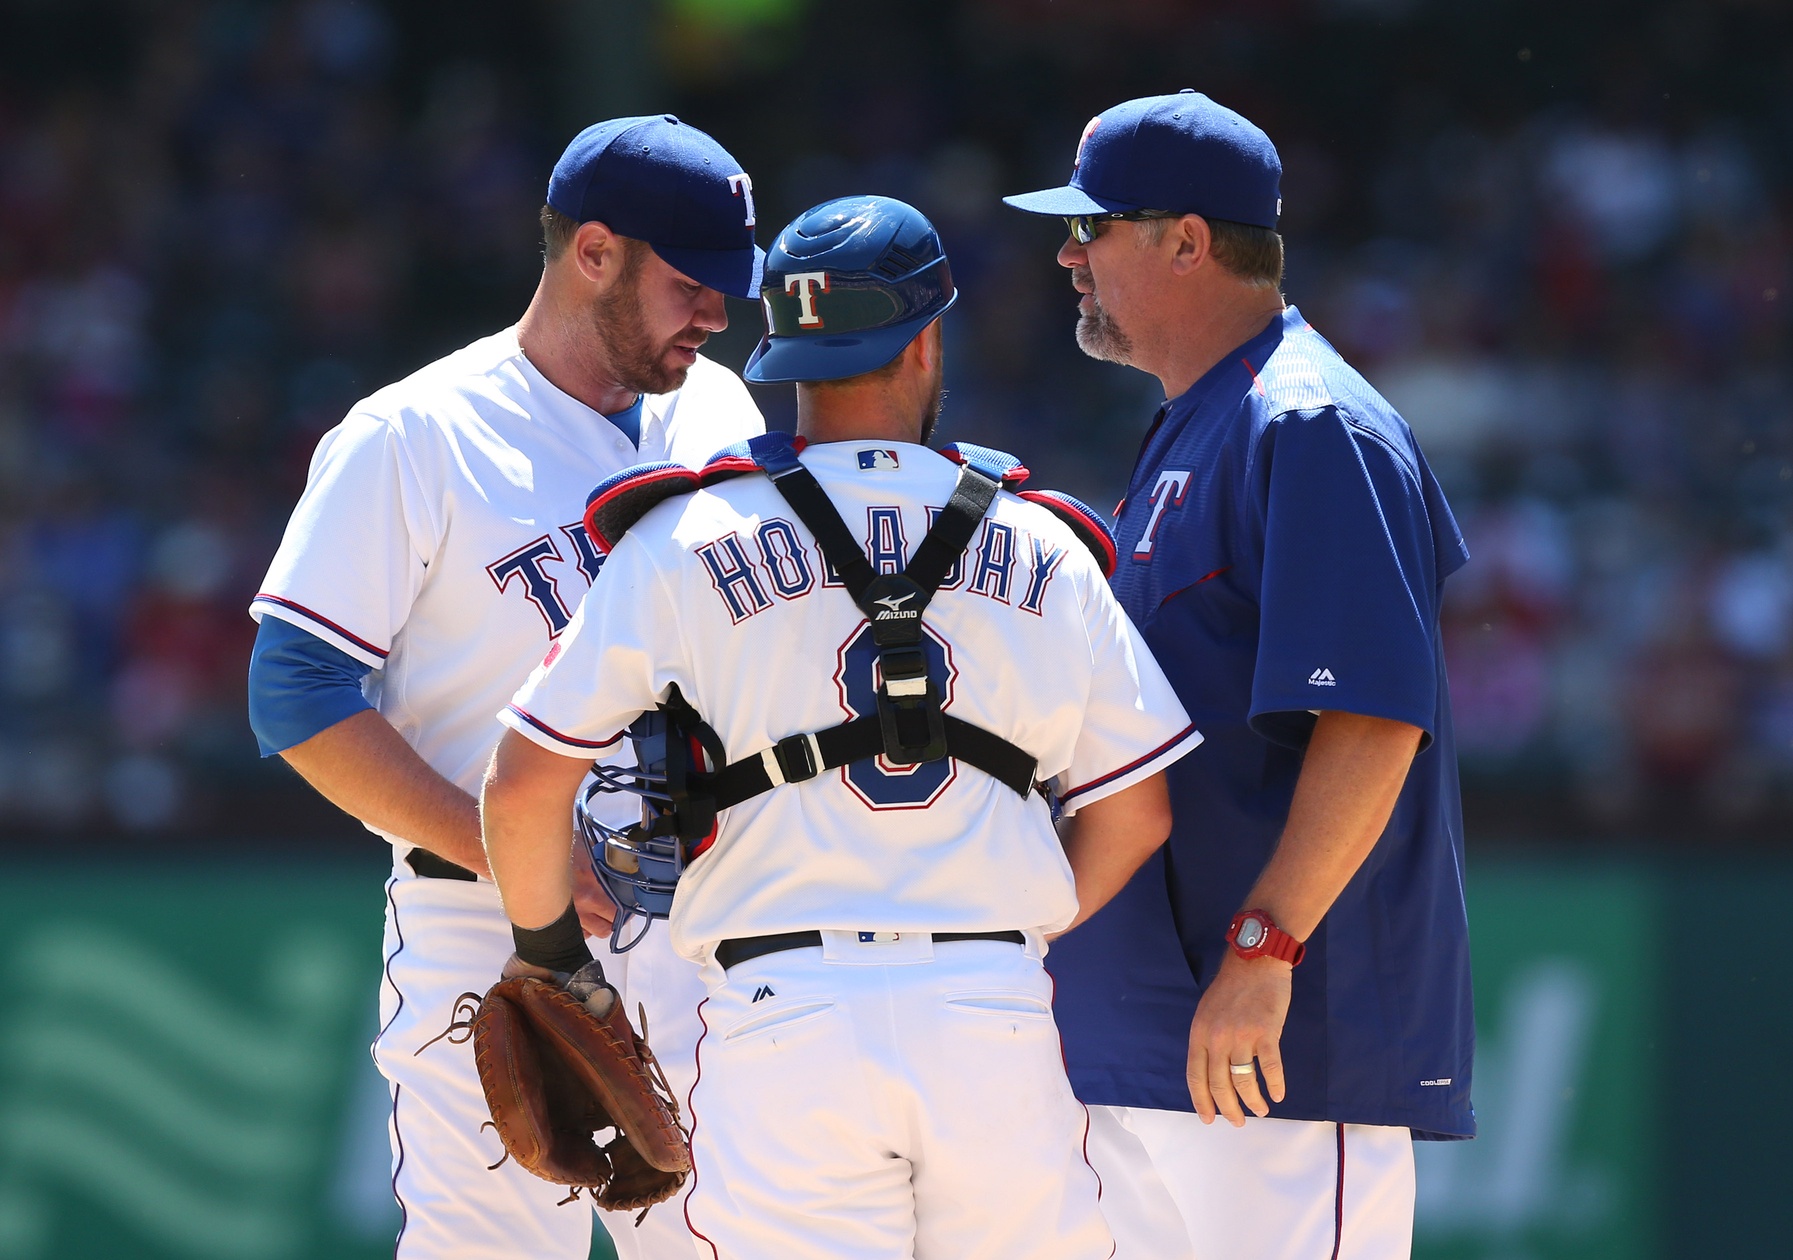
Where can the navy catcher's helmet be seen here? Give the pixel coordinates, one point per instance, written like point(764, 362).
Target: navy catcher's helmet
point(639, 865)
point(848, 284)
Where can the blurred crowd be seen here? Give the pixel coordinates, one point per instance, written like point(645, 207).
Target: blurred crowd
point(1578, 296)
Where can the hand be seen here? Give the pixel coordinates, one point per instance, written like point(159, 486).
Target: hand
point(1239, 1018)
point(514, 967)
point(596, 911)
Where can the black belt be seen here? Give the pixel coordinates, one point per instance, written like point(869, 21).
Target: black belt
point(741, 948)
point(428, 864)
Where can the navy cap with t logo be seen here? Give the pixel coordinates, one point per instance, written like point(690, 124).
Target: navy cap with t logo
point(1180, 153)
point(664, 182)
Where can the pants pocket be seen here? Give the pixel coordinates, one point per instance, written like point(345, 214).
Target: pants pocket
point(773, 1019)
point(1004, 1003)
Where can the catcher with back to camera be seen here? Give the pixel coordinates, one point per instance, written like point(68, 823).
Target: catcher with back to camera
point(1283, 547)
point(437, 553)
point(857, 667)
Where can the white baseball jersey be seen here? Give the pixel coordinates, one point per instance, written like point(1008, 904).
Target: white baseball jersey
point(726, 594)
point(440, 536)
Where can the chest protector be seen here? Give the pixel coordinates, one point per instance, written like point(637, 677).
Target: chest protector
point(682, 772)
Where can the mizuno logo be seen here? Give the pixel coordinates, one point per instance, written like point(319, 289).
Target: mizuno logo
point(893, 608)
point(1322, 678)
point(764, 991)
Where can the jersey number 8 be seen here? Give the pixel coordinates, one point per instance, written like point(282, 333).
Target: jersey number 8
point(878, 783)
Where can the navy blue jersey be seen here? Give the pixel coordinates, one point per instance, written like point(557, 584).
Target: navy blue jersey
point(1283, 548)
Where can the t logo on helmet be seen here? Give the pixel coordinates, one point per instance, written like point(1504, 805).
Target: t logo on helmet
point(806, 284)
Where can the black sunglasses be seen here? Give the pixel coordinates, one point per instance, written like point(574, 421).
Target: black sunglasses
point(1083, 226)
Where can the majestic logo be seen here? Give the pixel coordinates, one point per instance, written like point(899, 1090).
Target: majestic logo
point(880, 461)
point(806, 284)
point(741, 186)
point(894, 610)
point(1082, 140)
point(763, 992)
point(1322, 678)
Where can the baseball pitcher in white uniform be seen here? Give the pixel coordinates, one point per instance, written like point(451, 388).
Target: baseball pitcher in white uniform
point(880, 669)
point(437, 553)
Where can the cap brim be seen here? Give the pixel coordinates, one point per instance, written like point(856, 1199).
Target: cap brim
point(818, 357)
point(1065, 201)
point(736, 272)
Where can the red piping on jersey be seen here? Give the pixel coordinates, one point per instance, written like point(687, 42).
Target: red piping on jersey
point(322, 621)
point(398, 1134)
point(1338, 1201)
point(697, 1054)
point(545, 729)
point(1131, 766)
point(1259, 385)
point(1198, 581)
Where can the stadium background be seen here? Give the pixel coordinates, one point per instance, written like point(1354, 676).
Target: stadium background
point(1557, 236)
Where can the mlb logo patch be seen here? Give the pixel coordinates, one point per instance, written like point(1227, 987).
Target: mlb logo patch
point(880, 461)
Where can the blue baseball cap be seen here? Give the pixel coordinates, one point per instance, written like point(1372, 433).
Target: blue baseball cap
point(1180, 153)
point(849, 283)
point(664, 182)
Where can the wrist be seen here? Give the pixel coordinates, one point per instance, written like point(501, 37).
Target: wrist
point(1255, 936)
point(558, 947)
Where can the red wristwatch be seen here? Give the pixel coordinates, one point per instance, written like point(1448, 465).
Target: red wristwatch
point(1254, 934)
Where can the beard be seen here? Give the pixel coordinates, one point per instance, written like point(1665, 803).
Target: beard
point(636, 362)
point(1100, 337)
point(936, 400)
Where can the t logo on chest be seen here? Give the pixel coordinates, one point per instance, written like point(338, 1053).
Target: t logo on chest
point(1173, 485)
point(525, 567)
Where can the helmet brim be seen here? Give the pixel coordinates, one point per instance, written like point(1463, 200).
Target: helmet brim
point(825, 357)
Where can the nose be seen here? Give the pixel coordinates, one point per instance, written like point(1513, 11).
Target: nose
point(1072, 254)
point(711, 314)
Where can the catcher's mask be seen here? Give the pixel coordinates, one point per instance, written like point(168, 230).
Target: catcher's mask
point(639, 865)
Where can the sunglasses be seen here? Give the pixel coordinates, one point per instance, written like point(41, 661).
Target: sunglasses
point(1083, 226)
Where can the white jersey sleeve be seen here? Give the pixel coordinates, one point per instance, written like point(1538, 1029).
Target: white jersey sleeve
point(356, 550)
point(625, 634)
point(1133, 723)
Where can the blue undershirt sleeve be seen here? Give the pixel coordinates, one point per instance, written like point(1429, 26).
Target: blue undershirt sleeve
point(299, 685)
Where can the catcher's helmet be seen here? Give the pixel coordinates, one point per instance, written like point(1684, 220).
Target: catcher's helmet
point(848, 284)
point(639, 865)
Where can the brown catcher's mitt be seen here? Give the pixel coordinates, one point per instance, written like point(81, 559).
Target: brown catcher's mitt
point(557, 1069)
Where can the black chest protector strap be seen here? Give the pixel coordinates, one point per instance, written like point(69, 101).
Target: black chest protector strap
point(910, 726)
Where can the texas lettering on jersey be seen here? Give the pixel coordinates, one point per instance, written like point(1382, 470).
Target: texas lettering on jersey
point(1008, 565)
point(525, 569)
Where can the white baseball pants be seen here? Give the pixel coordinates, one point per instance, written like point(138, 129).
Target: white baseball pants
point(1176, 1189)
point(882, 1100)
point(446, 937)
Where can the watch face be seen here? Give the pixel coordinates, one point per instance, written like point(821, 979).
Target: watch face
point(1251, 934)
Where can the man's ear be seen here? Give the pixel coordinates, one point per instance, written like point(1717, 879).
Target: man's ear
point(596, 252)
point(927, 347)
point(1191, 243)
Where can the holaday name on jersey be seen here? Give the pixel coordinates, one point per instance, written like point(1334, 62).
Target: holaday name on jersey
point(773, 559)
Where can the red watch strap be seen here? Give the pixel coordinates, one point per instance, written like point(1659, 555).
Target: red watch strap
point(1276, 943)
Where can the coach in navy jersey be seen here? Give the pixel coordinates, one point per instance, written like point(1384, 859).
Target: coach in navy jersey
point(1300, 949)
